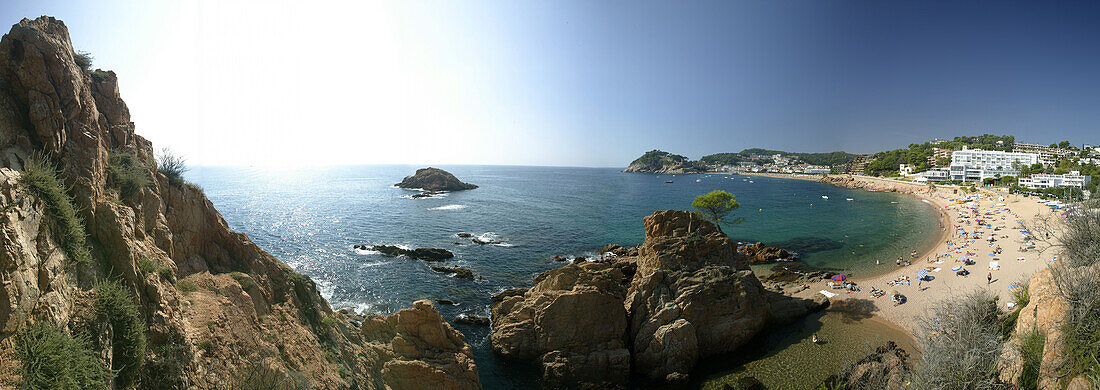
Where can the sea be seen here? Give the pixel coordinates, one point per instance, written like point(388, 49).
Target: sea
point(311, 218)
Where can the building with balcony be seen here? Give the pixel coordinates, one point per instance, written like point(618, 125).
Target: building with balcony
point(1047, 155)
point(1073, 179)
point(977, 164)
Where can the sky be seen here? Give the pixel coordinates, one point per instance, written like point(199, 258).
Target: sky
point(584, 83)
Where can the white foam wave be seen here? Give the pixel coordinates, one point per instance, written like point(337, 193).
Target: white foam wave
point(367, 252)
point(450, 207)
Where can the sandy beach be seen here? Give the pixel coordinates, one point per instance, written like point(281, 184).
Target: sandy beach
point(962, 238)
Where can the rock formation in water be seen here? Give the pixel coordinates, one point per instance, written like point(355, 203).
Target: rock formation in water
point(210, 304)
point(888, 367)
point(429, 254)
point(685, 295)
point(656, 161)
point(434, 179)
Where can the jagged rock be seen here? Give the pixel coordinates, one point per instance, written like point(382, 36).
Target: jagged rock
point(465, 235)
point(515, 291)
point(445, 301)
point(434, 179)
point(481, 241)
point(619, 250)
point(429, 254)
point(888, 367)
point(457, 272)
point(759, 253)
point(250, 304)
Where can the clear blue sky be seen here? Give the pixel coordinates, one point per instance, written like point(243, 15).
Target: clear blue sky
point(586, 83)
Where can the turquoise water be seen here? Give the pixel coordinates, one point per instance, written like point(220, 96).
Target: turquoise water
point(310, 218)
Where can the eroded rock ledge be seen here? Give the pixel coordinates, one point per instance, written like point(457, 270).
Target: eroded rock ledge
point(685, 294)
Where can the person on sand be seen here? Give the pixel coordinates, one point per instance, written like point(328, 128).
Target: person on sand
point(814, 338)
point(989, 278)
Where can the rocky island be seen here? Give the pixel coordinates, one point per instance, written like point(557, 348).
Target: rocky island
point(434, 180)
point(117, 274)
point(657, 161)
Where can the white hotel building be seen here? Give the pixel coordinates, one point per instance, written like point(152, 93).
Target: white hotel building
point(977, 164)
point(1073, 179)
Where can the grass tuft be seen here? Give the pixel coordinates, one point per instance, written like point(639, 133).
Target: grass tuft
point(1030, 347)
point(83, 59)
point(52, 359)
point(41, 176)
point(172, 166)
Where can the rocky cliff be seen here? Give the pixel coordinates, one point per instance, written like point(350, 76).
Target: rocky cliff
point(685, 294)
point(213, 307)
point(656, 161)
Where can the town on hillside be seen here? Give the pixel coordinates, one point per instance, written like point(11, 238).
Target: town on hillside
point(1061, 170)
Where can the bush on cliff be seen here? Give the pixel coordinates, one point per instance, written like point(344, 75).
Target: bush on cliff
point(52, 359)
point(41, 176)
point(961, 343)
point(116, 304)
point(83, 59)
point(258, 376)
point(172, 166)
point(127, 173)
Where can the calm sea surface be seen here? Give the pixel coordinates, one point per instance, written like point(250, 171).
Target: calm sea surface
point(311, 218)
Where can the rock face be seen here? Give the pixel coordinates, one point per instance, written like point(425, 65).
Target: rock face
point(196, 282)
point(434, 179)
point(888, 367)
point(686, 295)
point(759, 253)
point(656, 161)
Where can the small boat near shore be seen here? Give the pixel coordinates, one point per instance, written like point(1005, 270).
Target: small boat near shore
point(824, 197)
point(668, 181)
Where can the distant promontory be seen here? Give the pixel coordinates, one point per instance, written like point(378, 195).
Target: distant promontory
point(657, 161)
point(434, 179)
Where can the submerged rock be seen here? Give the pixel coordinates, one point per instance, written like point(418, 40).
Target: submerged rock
point(472, 320)
point(434, 179)
point(429, 254)
point(888, 367)
point(457, 272)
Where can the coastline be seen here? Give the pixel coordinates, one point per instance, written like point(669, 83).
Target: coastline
point(920, 296)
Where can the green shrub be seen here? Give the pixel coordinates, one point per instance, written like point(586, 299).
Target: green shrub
point(961, 343)
point(41, 176)
point(186, 287)
point(151, 266)
point(83, 59)
point(166, 368)
point(52, 359)
point(245, 281)
point(206, 345)
point(258, 376)
point(172, 166)
point(1030, 347)
point(127, 173)
point(115, 303)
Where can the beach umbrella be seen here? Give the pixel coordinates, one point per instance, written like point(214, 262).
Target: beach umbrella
point(956, 268)
point(922, 273)
point(838, 277)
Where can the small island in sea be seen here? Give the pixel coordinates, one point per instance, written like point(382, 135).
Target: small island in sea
point(434, 179)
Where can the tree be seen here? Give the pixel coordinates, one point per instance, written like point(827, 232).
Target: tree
point(715, 206)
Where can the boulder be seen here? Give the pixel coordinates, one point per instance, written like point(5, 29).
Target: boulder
point(434, 179)
point(472, 320)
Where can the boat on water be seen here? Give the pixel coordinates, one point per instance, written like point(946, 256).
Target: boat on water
point(824, 197)
point(698, 180)
point(894, 202)
point(668, 181)
point(848, 199)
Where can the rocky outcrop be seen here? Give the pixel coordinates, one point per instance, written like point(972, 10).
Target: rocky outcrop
point(759, 253)
point(684, 295)
point(888, 367)
point(457, 272)
point(212, 301)
point(434, 179)
point(656, 161)
point(555, 323)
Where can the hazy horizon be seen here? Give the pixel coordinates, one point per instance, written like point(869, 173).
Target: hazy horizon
point(585, 84)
